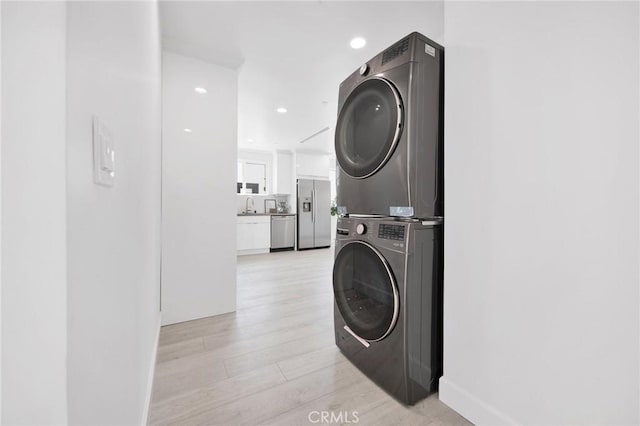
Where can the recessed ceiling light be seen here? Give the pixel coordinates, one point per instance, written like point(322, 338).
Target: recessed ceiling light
point(187, 130)
point(281, 110)
point(249, 140)
point(200, 90)
point(358, 43)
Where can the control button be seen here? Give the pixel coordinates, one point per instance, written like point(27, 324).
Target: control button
point(361, 229)
point(364, 70)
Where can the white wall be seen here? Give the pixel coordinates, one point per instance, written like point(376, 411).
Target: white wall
point(541, 246)
point(113, 71)
point(198, 189)
point(0, 212)
point(34, 282)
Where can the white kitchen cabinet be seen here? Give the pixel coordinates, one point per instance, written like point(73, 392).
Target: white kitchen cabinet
point(253, 234)
point(284, 173)
point(312, 166)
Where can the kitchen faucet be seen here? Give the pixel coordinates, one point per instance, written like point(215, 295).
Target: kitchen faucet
point(246, 207)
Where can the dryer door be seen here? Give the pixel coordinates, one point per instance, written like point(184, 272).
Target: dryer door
point(365, 291)
point(369, 127)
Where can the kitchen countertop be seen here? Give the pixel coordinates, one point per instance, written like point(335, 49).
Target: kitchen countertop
point(265, 214)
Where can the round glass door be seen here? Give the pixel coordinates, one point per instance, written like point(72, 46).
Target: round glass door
point(369, 127)
point(365, 291)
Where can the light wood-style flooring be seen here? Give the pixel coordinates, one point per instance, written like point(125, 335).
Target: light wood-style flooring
point(274, 361)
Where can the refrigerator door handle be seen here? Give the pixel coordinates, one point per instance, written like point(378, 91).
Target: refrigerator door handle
point(313, 206)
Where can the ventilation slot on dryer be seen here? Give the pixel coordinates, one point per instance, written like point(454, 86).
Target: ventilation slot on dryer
point(396, 50)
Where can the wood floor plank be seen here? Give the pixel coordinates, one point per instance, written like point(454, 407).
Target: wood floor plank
point(429, 412)
point(226, 348)
point(199, 401)
point(247, 330)
point(175, 381)
point(347, 405)
point(279, 399)
point(245, 320)
point(273, 354)
point(180, 349)
point(311, 361)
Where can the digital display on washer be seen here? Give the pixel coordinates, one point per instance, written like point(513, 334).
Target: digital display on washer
point(391, 232)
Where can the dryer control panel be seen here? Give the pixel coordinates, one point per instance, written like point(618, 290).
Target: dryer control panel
point(391, 232)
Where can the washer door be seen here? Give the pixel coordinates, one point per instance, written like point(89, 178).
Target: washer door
point(369, 127)
point(365, 291)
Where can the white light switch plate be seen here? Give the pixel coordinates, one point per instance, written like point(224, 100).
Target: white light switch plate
point(104, 155)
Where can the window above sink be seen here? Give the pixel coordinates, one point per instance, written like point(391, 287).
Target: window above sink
point(252, 178)
point(254, 173)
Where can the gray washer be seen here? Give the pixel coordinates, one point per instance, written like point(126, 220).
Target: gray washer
point(387, 282)
point(389, 133)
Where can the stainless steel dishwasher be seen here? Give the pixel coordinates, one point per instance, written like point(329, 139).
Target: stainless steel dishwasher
point(283, 228)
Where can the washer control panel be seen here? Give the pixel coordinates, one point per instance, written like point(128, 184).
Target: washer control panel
point(383, 233)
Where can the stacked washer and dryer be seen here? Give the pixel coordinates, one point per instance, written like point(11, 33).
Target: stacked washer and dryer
point(387, 274)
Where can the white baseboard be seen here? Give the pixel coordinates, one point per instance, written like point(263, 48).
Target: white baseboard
point(152, 370)
point(469, 406)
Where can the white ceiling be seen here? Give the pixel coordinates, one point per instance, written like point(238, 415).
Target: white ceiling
point(291, 54)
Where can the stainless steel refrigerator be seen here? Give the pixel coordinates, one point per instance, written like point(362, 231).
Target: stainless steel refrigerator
point(314, 213)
